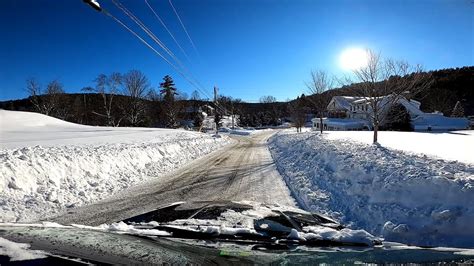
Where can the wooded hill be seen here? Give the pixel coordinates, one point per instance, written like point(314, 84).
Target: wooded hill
point(449, 86)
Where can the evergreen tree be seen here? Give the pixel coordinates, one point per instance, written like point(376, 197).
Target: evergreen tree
point(168, 90)
point(458, 110)
point(398, 119)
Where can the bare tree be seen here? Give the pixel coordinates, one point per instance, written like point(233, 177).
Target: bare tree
point(135, 86)
point(154, 96)
point(34, 90)
point(383, 82)
point(108, 87)
point(267, 99)
point(195, 96)
point(54, 100)
point(298, 113)
point(320, 83)
point(195, 100)
point(49, 101)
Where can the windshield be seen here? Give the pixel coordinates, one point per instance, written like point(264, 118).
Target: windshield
point(246, 131)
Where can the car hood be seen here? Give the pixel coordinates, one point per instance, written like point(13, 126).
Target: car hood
point(244, 220)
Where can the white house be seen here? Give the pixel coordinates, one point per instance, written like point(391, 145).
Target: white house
point(354, 113)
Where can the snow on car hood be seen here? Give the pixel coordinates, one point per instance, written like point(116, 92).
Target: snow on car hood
point(232, 221)
point(250, 220)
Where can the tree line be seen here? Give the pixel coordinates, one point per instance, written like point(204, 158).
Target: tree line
point(128, 99)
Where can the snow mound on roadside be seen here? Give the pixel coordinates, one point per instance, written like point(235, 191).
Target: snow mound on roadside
point(84, 165)
point(17, 120)
point(405, 198)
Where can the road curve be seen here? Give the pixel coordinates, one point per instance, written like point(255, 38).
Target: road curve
point(241, 171)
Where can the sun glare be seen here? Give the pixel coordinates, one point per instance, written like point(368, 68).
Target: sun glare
point(353, 59)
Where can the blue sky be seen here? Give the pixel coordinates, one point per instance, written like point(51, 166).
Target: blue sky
point(248, 48)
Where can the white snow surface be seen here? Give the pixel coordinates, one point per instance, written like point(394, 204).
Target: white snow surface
point(404, 197)
point(19, 251)
point(47, 164)
point(453, 145)
point(123, 228)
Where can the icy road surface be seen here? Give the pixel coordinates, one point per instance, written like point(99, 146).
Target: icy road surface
point(241, 171)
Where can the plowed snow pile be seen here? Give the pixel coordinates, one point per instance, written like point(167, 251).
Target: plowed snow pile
point(47, 164)
point(401, 196)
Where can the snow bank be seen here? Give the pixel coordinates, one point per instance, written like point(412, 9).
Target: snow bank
point(405, 198)
point(84, 164)
point(454, 145)
point(19, 251)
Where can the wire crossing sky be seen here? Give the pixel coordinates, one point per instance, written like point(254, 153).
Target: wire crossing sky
point(248, 48)
point(167, 30)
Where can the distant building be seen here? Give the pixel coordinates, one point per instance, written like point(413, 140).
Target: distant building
point(354, 113)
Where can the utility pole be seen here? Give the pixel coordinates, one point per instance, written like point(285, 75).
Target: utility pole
point(215, 94)
point(216, 110)
point(232, 110)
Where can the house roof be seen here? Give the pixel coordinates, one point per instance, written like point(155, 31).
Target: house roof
point(344, 102)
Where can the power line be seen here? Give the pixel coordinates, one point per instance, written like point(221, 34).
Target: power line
point(191, 80)
point(135, 19)
point(184, 28)
point(147, 31)
point(138, 36)
point(166, 28)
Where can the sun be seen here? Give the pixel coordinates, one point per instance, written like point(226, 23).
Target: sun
point(353, 59)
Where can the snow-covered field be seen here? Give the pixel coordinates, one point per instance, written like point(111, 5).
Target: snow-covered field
point(402, 196)
point(454, 146)
point(47, 164)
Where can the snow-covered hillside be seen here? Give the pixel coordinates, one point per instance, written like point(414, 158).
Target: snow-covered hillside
point(47, 164)
point(404, 197)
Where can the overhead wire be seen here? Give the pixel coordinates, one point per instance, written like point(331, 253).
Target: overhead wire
point(181, 69)
point(184, 28)
point(138, 36)
point(162, 45)
point(167, 29)
point(147, 31)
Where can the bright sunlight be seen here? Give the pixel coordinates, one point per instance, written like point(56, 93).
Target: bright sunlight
point(353, 58)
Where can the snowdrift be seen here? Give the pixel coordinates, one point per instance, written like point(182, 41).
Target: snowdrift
point(75, 164)
point(402, 197)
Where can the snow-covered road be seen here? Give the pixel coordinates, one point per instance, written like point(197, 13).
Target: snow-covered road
point(242, 171)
